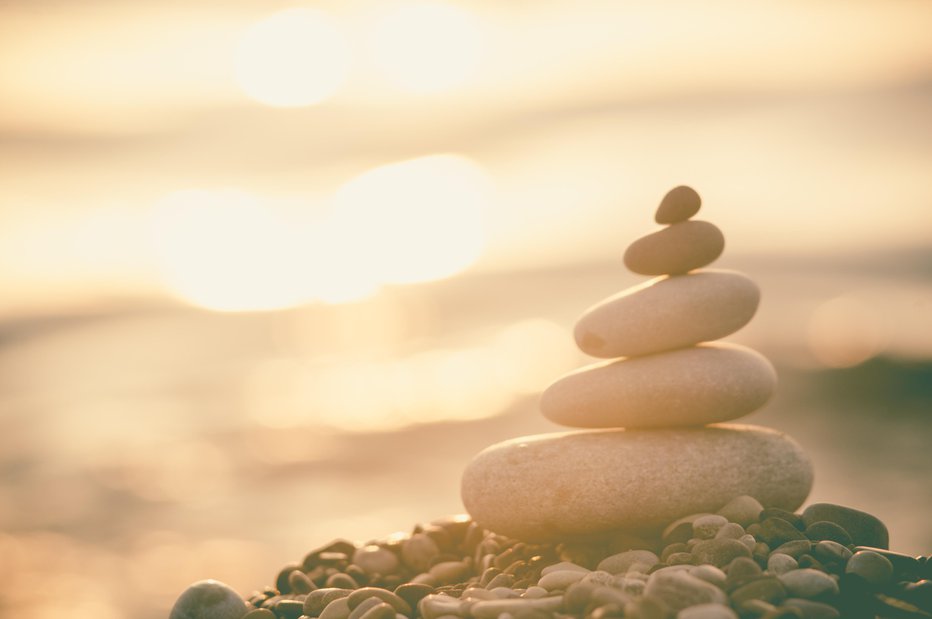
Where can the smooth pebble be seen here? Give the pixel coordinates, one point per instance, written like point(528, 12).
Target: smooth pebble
point(556, 486)
point(560, 580)
point(678, 248)
point(779, 563)
point(208, 599)
point(679, 590)
point(706, 527)
point(808, 583)
point(864, 529)
point(704, 384)
point(744, 510)
point(812, 609)
point(622, 562)
point(667, 313)
point(871, 566)
point(707, 611)
point(679, 204)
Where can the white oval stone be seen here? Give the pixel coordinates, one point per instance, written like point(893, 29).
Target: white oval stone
point(708, 383)
point(667, 313)
point(583, 483)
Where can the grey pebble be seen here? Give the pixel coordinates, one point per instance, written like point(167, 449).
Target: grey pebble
point(719, 552)
point(830, 551)
point(208, 599)
point(744, 510)
point(766, 588)
point(730, 530)
point(679, 590)
point(316, 601)
point(779, 563)
point(871, 566)
point(622, 562)
point(707, 526)
point(707, 611)
point(808, 583)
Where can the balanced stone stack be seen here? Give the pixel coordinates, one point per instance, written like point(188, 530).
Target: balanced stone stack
point(654, 447)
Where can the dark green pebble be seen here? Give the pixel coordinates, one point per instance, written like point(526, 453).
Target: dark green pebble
point(776, 531)
point(864, 529)
point(812, 609)
point(288, 609)
point(795, 549)
point(281, 581)
point(904, 566)
point(413, 592)
point(740, 571)
point(825, 530)
point(298, 582)
point(918, 593)
point(808, 561)
point(783, 514)
point(831, 552)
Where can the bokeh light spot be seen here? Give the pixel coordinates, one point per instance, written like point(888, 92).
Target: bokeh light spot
point(294, 58)
point(427, 47)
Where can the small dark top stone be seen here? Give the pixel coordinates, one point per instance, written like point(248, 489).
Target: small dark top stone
point(679, 204)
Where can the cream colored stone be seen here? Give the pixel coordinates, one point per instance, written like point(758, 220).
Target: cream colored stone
point(667, 313)
point(692, 386)
point(580, 484)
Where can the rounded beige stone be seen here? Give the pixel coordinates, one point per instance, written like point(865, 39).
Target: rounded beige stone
point(679, 204)
point(586, 483)
point(667, 313)
point(708, 383)
point(678, 248)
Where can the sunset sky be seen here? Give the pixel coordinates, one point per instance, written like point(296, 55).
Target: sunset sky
point(287, 149)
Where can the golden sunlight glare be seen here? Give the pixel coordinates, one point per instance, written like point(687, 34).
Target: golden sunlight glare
point(224, 250)
point(414, 221)
point(294, 58)
point(427, 47)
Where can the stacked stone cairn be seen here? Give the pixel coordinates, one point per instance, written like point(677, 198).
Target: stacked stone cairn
point(655, 511)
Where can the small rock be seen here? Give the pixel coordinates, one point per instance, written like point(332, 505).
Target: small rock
point(412, 593)
point(731, 530)
point(710, 574)
point(379, 611)
point(300, 583)
point(707, 611)
point(783, 612)
point(562, 566)
point(337, 609)
point(374, 559)
point(779, 563)
point(744, 510)
point(493, 609)
point(784, 514)
point(645, 608)
point(673, 548)
point(383, 595)
point(680, 530)
point(561, 579)
point(449, 572)
point(719, 552)
point(339, 580)
point(437, 605)
point(599, 577)
point(749, 541)
point(363, 606)
point(678, 248)
point(808, 583)
point(740, 571)
point(259, 613)
point(535, 592)
point(830, 551)
point(864, 529)
point(679, 204)
point(680, 558)
point(679, 590)
point(813, 610)
point(875, 568)
point(622, 562)
point(316, 601)
point(905, 566)
point(795, 549)
point(418, 551)
point(825, 530)
point(707, 527)
point(766, 588)
point(776, 531)
point(209, 599)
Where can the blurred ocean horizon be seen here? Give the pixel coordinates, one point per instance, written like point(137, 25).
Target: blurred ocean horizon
point(147, 448)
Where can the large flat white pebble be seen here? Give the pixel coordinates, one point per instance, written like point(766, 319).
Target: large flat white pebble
point(577, 484)
point(668, 312)
point(705, 384)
